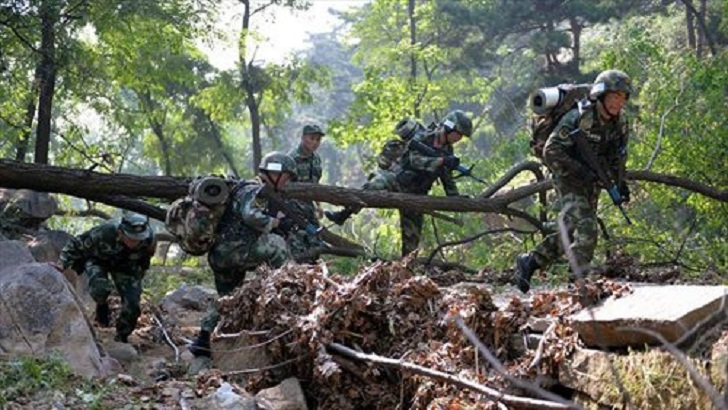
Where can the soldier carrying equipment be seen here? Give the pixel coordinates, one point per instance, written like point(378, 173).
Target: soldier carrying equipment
point(549, 105)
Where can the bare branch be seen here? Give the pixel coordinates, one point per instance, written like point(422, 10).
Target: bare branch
point(658, 144)
point(521, 402)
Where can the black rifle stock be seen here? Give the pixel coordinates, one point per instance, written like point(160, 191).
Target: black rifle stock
point(587, 154)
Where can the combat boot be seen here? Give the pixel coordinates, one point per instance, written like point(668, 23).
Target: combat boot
point(339, 217)
point(103, 316)
point(526, 265)
point(201, 346)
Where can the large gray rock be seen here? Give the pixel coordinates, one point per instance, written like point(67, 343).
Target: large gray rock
point(30, 206)
point(285, 396)
point(46, 246)
point(40, 314)
point(189, 297)
point(13, 253)
point(225, 398)
point(674, 312)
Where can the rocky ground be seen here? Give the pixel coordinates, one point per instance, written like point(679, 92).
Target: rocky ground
point(294, 317)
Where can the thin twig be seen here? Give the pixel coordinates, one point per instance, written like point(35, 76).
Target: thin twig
point(658, 144)
point(262, 369)
point(469, 239)
point(166, 337)
point(541, 346)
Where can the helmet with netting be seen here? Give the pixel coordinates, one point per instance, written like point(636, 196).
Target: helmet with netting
point(458, 121)
point(135, 226)
point(611, 80)
point(277, 161)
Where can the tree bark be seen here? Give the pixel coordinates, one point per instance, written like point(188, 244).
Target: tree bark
point(49, 15)
point(248, 86)
point(22, 148)
point(87, 184)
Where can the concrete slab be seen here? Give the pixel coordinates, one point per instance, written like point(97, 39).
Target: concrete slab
point(671, 311)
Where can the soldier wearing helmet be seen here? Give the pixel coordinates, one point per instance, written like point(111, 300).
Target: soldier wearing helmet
point(248, 236)
point(604, 124)
point(415, 173)
point(122, 251)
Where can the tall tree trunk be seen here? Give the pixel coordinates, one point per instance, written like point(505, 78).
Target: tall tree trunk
point(48, 17)
point(413, 57)
point(158, 129)
point(576, 32)
point(215, 132)
point(690, 28)
point(22, 148)
point(248, 86)
point(701, 40)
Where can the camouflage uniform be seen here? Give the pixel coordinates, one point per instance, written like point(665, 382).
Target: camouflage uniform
point(414, 173)
point(309, 170)
point(99, 253)
point(576, 187)
point(244, 242)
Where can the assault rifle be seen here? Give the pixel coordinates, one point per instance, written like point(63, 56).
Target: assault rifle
point(585, 151)
point(433, 152)
point(280, 204)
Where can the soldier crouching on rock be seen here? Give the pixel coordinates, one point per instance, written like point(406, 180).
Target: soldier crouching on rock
point(122, 251)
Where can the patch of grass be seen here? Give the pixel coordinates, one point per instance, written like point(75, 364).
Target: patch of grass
point(654, 380)
point(25, 376)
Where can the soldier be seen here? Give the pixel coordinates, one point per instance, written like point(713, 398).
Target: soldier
point(604, 124)
point(302, 244)
point(122, 251)
point(245, 238)
point(415, 173)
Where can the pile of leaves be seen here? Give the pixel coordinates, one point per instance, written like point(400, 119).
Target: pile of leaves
point(390, 311)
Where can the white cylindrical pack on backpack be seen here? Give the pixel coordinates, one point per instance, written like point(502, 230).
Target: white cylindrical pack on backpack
point(544, 99)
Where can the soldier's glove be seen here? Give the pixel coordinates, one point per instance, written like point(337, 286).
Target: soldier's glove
point(450, 162)
point(286, 225)
point(624, 192)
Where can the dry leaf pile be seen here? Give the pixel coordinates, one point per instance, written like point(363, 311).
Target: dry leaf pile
point(386, 310)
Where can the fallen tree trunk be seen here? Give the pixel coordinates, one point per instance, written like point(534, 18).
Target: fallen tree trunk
point(110, 187)
point(509, 400)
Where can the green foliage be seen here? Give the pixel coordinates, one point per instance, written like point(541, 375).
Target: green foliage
point(26, 376)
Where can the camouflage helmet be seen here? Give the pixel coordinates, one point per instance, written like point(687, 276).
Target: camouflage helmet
point(458, 121)
point(277, 161)
point(611, 80)
point(135, 226)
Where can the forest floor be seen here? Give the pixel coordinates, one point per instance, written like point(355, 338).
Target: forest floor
point(157, 377)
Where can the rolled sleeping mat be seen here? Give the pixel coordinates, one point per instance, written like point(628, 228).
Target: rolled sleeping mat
point(544, 99)
point(210, 191)
point(406, 128)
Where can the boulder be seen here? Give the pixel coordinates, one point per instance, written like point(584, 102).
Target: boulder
point(13, 253)
point(189, 297)
point(285, 396)
point(678, 313)
point(225, 398)
point(30, 207)
point(39, 314)
point(46, 246)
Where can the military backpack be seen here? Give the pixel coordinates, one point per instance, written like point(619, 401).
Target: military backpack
point(193, 219)
point(548, 106)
